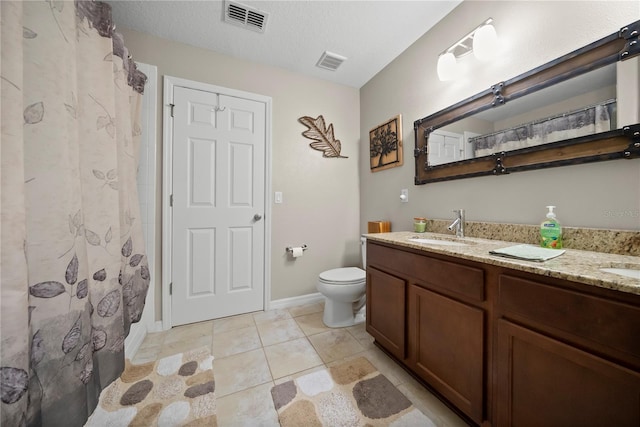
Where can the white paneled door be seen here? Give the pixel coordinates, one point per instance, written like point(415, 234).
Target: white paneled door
point(218, 205)
point(445, 147)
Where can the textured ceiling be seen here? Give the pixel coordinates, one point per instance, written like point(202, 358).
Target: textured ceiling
point(369, 33)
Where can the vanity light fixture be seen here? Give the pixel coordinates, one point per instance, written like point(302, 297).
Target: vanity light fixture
point(482, 41)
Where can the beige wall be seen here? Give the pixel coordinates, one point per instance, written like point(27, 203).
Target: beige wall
point(602, 195)
point(321, 196)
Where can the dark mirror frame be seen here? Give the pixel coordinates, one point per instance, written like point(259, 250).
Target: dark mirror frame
point(616, 144)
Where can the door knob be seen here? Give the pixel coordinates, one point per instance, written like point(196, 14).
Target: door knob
point(257, 217)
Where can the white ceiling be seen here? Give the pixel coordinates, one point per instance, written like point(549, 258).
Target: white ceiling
point(370, 33)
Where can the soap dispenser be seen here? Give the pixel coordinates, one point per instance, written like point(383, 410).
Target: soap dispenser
point(551, 231)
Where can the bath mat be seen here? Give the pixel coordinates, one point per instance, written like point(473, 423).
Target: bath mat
point(353, 393)
point(174, 391)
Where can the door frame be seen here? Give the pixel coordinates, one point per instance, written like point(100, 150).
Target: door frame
point(167, 184)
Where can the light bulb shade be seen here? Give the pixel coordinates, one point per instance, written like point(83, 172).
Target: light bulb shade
point(446, 66)
point(485, 42)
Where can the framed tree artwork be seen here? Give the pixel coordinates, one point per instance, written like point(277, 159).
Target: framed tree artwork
point(385, 145)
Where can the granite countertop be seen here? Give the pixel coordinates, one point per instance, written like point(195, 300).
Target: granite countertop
point(574, 265)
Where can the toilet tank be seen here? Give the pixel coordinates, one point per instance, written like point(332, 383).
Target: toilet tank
point(363, 252)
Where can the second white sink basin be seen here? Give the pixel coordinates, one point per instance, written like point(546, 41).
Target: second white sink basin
point(437, 242)
point(627, 272)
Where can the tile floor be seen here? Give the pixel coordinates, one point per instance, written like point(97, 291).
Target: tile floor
point(255, 351)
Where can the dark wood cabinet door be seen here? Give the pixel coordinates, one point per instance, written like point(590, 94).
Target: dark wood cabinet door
point(544, 382)
point(386, 310)
point(446, 348)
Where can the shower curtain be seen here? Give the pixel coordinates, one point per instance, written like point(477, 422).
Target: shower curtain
point(586, 121)
point(74, 274)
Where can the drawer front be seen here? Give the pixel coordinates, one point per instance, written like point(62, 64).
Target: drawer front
point(607, 324)
point(448, 276)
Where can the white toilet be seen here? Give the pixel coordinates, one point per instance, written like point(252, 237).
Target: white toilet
point(344, 290)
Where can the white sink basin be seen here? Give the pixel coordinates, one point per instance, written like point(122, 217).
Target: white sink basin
point(437, 242)
point(627, 272)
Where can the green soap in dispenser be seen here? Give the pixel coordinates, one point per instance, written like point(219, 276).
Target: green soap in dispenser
point(551, 231)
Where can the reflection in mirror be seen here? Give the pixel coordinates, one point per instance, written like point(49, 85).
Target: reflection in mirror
point(583, 105)
point(570, 130)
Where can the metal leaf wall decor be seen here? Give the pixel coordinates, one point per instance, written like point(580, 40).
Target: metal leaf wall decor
point(322, 136)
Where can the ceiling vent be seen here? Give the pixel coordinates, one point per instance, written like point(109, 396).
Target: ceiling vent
point(245, 16)
point(330, 61)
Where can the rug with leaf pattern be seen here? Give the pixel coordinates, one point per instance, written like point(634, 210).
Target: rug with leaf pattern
point(177, 390)
point(353, 393)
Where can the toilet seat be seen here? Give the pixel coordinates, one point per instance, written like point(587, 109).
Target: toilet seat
point(343, 276)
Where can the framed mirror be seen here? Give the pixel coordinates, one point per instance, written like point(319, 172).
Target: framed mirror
point(561, 113)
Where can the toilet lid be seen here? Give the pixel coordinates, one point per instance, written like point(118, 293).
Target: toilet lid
point(347, 275)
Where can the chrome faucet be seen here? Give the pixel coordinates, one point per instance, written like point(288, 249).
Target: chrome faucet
point(458, 223)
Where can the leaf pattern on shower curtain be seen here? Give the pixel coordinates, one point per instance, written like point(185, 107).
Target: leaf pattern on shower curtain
point(98, 338)
point(71, 276)
point(92, 238)
point(127, 247)
point(79, 274)
point(109, 178)
point(135, 260)
point(57, 5)
point(34, 113)
point(119, 76)
point(10, 82)
point(72, 107)
point(72, 338)
point(46, 289)
point(75, 222)
point(100, 275)
point(83, 289)
point(28, 33)
point(37, 348)
point(108, 306)
point(105, 122)
point(14, 384)
point(85, 351)
point(87, 371)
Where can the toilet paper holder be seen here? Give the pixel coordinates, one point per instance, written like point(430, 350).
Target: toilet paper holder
point(289, 249)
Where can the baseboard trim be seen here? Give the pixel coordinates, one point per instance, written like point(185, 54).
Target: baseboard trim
point(293, 301)
point(134, 340)
point(137, 334)
point(155, 327)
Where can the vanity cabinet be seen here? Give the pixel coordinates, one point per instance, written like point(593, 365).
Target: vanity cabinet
point(427, 312)
point(503, 346)
point(565, 356)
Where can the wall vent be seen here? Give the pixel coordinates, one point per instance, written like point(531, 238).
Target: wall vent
point(330, 61)
point(245, 16)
